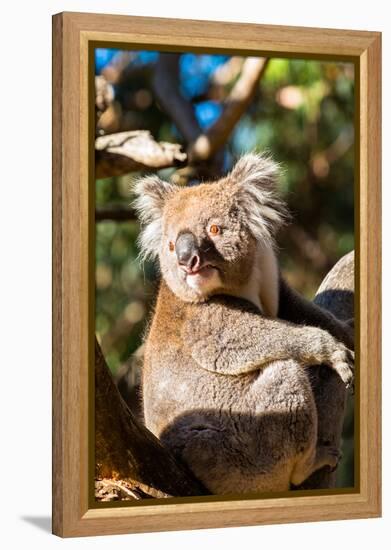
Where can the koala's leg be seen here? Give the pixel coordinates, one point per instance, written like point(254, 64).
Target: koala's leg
point(233, 452)
point(310, 454)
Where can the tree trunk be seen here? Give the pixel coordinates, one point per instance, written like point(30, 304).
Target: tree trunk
point(125, 451)
point(336, 294)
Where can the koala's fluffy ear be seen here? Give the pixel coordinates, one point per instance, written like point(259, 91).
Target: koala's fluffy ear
point(151, 193)
point(255, 178)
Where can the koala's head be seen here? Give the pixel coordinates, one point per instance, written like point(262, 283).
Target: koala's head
point(206, 236)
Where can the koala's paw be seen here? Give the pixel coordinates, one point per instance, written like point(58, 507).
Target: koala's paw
point(342, 361)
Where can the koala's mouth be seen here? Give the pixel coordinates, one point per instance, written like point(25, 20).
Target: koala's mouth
point(200, 275)
point(203, 271)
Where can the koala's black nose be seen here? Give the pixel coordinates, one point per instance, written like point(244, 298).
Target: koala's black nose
point(187, 252)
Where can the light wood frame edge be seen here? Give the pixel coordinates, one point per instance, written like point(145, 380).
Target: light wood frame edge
point(71, 513)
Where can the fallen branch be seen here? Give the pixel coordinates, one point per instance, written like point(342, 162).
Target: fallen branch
point(124, 152)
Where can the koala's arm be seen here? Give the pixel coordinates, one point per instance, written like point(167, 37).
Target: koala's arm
point(296, 309)
point(232, 341)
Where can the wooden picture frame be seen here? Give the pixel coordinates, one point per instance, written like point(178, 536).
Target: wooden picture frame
point(73, 34)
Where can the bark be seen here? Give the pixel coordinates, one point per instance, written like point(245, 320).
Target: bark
point(336, 293)
point(124, 152)
point(126, 451)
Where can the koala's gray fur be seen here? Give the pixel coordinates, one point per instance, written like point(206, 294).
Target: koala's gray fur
point(224, 383)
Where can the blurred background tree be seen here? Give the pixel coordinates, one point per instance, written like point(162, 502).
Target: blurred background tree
point(215, 108)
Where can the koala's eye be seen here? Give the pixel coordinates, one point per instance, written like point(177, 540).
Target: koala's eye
point(214, 229)
point(171, 246)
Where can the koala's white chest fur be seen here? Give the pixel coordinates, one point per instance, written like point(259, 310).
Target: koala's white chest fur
point(262, 288)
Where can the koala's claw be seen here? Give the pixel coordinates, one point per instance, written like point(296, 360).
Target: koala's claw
point(327, 455)
point(343, 364)
point(350, 323)
point(336, 456)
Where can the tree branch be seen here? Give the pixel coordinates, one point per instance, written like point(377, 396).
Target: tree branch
point(336, 293)
point(204, 145)
point(116, 213)
point(125, 450)
point(104, 94)
point(167, 90)
point(234, 106)
point(125, 152)
point(118, 154)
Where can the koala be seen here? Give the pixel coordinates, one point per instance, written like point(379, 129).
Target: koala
point(226, 373)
